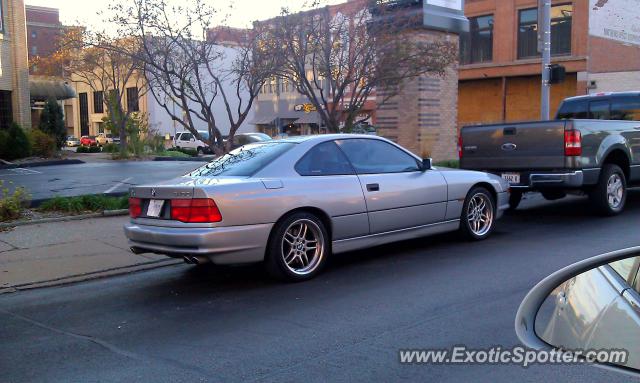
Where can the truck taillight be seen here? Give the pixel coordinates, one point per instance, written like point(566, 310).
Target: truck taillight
point(197, 210)
point(572, 143)
point(460, 150)
point(135, 207)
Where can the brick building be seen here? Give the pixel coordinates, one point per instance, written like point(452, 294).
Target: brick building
point(14, 66)
point(43, 33)
point(598, 41)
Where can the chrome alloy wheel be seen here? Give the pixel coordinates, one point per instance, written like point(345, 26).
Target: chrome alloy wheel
point(480, 214)
point(615, 191)
point(302, 246)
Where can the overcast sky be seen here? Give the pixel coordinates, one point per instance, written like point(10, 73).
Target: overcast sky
point(245, 11)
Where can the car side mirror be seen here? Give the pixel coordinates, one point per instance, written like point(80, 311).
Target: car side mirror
point(427, 164)
point(587, 312)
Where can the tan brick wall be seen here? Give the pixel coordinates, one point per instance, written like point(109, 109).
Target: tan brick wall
point(423, 117)
point(14, 64)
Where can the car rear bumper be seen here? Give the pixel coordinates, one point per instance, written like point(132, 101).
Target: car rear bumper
point(221, 245)
point(547, 180)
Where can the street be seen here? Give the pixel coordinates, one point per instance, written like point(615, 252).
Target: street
point(184, 323)
point(93, 178)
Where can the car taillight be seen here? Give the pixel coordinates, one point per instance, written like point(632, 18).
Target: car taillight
point(460, 146)
point(572, 143)
point(135, 207)
point(195, 211)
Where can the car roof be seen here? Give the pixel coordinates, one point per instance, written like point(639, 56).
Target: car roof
point(605, 94)
point(327, 137)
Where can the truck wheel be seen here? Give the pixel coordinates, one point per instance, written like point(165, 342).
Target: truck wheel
point(478, 214)
point(514, 199)
point(610, 194)
point(298, 248)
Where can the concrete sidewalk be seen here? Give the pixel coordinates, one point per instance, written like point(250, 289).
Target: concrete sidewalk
point(62, 252)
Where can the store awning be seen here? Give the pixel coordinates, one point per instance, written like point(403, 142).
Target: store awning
point(308, 118)
point(44, 89)
point(263, 120)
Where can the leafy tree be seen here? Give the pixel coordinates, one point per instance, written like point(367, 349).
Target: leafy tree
point(52, 122)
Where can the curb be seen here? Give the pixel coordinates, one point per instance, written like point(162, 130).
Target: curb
point(183, 159)
point(112, 272)
point(104, 214)
point(42, 163)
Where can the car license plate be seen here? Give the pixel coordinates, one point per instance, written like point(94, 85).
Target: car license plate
point(512, 178)
point(155, 207)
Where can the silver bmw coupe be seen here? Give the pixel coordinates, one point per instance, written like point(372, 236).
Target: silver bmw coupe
point(291, 203)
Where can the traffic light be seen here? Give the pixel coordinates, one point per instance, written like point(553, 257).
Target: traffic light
point(557, 74)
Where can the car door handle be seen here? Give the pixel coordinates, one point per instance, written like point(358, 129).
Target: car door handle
point(373, 187)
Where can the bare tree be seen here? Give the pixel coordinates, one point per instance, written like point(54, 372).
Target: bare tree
point(187, 66)
point(339, 56)
point(89, 58)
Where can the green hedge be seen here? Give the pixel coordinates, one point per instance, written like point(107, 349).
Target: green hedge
point(85, 203)
point(88, 149)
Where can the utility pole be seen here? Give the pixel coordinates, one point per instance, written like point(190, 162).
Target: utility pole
point(544, 36)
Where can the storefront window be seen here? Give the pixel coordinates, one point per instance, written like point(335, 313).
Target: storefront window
point(1, 16)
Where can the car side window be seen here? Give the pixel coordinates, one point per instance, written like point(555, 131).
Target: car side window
point(625, 108)
point(369, 156)
point(324, 159)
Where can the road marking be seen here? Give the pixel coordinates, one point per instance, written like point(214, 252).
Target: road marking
point(20, 172)
point(116, 186)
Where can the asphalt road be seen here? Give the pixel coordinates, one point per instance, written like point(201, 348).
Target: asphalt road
point(93, 178)
point(185, 323)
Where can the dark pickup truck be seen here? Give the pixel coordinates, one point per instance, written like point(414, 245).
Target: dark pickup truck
point(593, 148)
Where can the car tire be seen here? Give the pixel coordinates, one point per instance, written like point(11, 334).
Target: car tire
point(478, 214)
point(298, 248)
point(610, 194)
point(515, 197)
point(200, 151)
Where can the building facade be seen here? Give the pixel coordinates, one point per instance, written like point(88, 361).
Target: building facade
point(14, 65)
point(43, 31)
point(598, 42)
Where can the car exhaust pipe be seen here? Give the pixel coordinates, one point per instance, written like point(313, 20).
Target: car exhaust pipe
point(137, 250)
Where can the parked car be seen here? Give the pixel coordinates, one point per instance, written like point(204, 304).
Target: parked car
point(88, 141)
point(72, 141)
point(291, 203)
point(104, 138)
point(591, 305)
point(186, 140)
point(591, 148)
point(241, 139)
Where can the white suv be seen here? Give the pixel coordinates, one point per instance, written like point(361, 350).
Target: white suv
point(186, 140)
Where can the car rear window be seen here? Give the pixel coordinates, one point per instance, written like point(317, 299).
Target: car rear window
point(245, 161)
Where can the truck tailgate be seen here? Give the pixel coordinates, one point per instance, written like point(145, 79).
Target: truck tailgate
point(527, 145)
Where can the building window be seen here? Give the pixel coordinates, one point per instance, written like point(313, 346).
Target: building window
point(34, 50)
point(34, 34)
point(477, 45)
point(98, 102)
point(561, 16)
point(6, 109)
point(83, 99)
point(133, 103)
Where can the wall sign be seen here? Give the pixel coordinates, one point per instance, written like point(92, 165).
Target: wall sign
point(307, 108)
point(615, 20)
point(451, 4)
